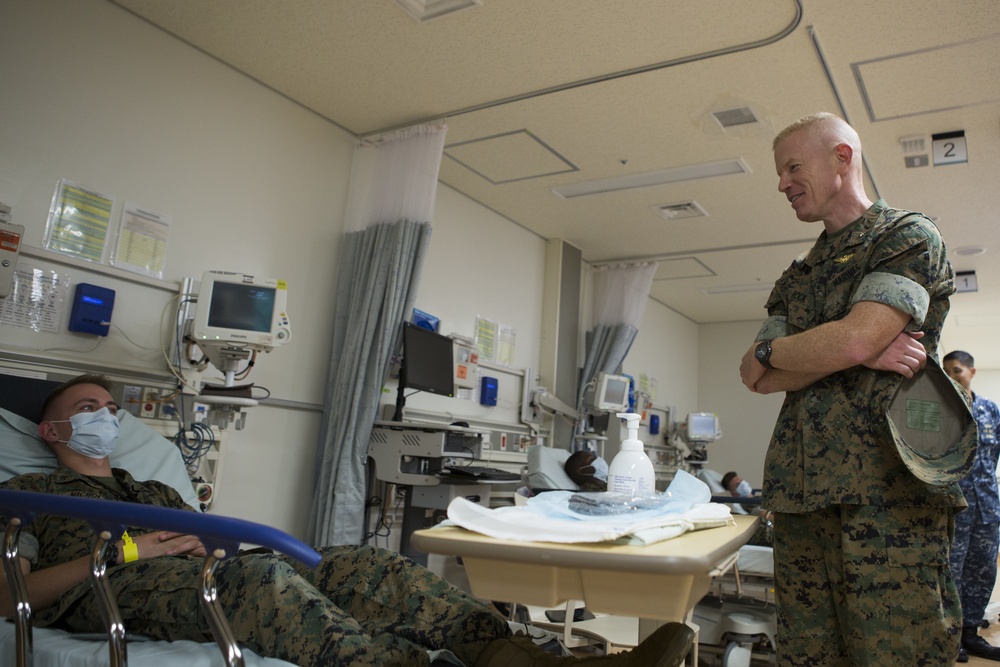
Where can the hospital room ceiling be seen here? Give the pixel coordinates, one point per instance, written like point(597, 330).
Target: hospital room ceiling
point(664, 109)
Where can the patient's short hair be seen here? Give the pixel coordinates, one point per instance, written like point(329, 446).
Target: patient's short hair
point(727, 478)
point(101, 381)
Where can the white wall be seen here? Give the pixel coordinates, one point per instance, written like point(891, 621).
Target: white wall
point(667, 349)
point(987, 383)
point(252, 181)
point(747, 418)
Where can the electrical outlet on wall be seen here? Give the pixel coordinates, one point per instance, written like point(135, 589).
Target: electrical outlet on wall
point(149, 403)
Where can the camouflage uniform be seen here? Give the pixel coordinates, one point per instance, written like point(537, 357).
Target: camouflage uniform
point(977, 530)
point(360, 606)
point(833, 478)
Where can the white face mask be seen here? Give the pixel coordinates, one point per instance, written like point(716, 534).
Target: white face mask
point(95, 434)
point(600, 469)
point(744, 489)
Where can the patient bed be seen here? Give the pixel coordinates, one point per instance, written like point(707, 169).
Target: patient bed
point(146, 455)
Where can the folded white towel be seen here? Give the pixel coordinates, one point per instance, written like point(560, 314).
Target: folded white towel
point(547, 518)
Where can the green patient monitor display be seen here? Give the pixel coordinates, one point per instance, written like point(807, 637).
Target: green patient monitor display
point(610, 393)
point(242, 311)
point(428, 364)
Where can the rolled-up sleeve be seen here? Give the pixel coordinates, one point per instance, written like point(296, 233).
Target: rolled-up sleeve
point(775, 326)
point(895, 291)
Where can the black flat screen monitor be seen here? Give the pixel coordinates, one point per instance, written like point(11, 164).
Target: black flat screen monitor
point(428, 365)
point(428, 361)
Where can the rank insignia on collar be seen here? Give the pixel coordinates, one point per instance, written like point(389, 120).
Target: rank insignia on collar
point(844, 259)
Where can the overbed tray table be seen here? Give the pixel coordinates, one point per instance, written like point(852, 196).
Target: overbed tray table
point(661, 581)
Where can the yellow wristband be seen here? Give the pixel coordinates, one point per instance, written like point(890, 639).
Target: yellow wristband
point(130, 552)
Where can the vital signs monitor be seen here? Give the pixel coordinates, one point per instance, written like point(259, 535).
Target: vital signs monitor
point(241, 310)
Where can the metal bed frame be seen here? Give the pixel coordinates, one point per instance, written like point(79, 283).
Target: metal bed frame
point(221, 536)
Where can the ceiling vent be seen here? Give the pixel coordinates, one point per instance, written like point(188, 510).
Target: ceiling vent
point(734, 117)
point(426, 10)
point(681, 211)
point(913, 144)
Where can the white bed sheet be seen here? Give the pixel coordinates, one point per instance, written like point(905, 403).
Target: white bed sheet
point(756, 560)
point(56, 648)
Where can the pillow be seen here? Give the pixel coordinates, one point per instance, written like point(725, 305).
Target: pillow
point(142, 451)
point(713, 479)
point(546, 471)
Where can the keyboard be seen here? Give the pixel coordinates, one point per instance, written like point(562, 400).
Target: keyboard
point(483, 472)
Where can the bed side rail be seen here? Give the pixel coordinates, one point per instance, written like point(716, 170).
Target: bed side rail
point(221, 536)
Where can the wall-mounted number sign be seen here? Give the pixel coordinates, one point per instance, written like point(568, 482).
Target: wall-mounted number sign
point(965, 281)
point(949, 148)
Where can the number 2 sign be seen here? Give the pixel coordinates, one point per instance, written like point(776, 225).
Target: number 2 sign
point(949, 148)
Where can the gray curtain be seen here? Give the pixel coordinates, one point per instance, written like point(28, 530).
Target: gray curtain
point(379, 271)
point(607, 347)
point(620, 295)
point(391, 201)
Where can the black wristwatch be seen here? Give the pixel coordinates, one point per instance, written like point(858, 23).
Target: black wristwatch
point(763, 353)
point(111, 555)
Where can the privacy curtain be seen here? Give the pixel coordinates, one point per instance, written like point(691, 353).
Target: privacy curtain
point(393, 187)
point(620, 293)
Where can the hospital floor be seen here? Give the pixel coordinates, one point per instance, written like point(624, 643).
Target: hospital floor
point(992, 633)
point(625, 630)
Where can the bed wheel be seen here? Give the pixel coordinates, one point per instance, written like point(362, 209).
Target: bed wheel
point(736, 655)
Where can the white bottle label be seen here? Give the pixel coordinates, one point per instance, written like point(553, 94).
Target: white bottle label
point(623, 484)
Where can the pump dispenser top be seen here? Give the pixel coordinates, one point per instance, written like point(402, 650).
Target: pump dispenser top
point(631, 472)
point(632, 443)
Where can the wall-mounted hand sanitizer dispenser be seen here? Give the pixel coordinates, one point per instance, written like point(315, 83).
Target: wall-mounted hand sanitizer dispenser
point(92, 306)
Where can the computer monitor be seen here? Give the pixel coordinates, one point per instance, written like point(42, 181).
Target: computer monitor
point(428, 364)
point(610, 393)
point(701, 428)
point(241, 310)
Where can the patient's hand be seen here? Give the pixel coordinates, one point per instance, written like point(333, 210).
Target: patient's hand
point(166, 543)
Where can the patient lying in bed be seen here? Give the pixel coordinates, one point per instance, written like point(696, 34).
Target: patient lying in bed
point(360, 606)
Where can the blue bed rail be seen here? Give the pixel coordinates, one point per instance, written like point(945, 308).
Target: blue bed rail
point(221, 536)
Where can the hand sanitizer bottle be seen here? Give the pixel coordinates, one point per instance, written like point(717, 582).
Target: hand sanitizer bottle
point(631, 471)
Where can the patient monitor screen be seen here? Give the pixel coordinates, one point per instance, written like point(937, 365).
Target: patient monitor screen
point(610, 393)
point(241, 309)
point(249, 307)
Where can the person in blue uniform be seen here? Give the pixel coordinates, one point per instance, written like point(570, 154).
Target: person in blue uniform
point(977, 529)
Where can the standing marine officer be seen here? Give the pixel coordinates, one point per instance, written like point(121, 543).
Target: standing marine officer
point(862, 543)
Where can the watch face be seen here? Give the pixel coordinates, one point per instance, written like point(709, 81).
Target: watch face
point(763, 353)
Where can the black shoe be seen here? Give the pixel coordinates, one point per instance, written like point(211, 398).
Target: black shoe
point(963, 655)
point(979, 647)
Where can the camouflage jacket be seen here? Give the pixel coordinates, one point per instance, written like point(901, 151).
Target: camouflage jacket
point(832, 444)
point(51, 540)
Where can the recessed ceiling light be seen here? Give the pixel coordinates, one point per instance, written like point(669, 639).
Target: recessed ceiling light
point(425, 10)
point(970, 250)
point(754, 287)
point(650, 178)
